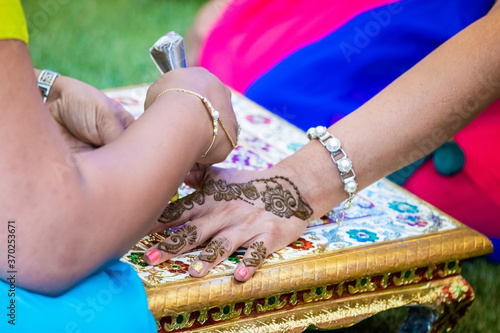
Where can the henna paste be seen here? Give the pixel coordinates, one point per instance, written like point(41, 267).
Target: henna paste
point(213, 250)
point(258, 255)
point(175, 209)
point(277, 200)
point(282, 202)
point(220, 190)
point(178, 240)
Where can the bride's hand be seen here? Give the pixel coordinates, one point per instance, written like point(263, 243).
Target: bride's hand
point(262, 211)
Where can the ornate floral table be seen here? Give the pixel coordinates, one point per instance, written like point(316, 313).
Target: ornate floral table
point(392, 250)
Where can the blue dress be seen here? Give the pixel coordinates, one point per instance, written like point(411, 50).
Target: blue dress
point(113, 300)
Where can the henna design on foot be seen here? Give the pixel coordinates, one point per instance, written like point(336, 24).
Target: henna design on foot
point(258, 255)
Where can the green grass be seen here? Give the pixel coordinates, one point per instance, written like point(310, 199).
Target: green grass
point(106, 43)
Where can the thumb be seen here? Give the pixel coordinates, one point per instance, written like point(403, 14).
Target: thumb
point(112, 122)
point(198, 175)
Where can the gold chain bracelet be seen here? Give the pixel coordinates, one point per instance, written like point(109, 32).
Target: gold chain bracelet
point(213, 113)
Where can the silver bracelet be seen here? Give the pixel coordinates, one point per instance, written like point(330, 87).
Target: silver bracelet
point(339, 157)
point(45, 81)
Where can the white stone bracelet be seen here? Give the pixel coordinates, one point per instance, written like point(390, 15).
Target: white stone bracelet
point(339, 157)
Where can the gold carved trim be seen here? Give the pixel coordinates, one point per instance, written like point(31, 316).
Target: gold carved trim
point(321, 269)
point(226, 312)
point(407, 277)
point(341, 312)
point(318, 294)
point(278, 301)
point(363, 285)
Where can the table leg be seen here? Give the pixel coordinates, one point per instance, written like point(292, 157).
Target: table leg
point(459, 296)
point(456, 299)
point(419, 320)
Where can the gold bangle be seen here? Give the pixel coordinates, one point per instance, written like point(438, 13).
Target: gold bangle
point(227, 133)
point(209, 147)
point(213, 113)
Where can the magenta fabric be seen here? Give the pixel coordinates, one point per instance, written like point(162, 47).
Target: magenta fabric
point(260, 41)
point(473, 195)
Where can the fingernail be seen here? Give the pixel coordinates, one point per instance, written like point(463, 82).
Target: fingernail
point(153, 256)
point(243, 271)
point(197, 266)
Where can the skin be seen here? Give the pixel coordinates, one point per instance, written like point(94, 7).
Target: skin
point(438, 96)
point(83, 125)
point(69, 206)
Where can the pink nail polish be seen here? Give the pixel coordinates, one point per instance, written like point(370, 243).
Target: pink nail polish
point(243, 271)
point(153, 256)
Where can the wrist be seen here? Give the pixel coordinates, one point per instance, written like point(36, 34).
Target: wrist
point(192, 112)
point(315, 175)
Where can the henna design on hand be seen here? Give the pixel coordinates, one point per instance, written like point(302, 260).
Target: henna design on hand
point(281, 202)
point(277, 200)
point(258, 255)
point(214, 249)
point(220, 190)
point(178, 240)
point(174, 210)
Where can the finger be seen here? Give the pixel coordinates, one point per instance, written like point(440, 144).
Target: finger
point(127, 118)
point(112, 121)
point(218, 250)
point(183, 239)
point(74, 145)
point(201, 173)
point(181, 211)
point(254, 257)
point(197, 175)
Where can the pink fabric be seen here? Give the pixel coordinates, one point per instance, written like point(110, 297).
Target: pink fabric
point(256, 32)
point(480, 141)
point(473, 195)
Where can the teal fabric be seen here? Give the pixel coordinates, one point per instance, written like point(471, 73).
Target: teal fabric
point(401, 176)
point(113, 300)
point(449, 159)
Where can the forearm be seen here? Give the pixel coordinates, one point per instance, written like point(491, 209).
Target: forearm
point(87, 209)
point(144, 167)
point(410, 118)
point(128, 183)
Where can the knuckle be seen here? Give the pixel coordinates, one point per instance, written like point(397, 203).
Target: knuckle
point(198, 233)
point(227, 243)
point(273, 229)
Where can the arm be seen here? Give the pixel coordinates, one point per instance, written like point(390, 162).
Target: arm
point(75, 213)
point(410, 118)
point(415, 114)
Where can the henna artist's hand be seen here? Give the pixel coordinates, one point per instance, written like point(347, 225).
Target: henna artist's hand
point(262, 211)
point(202, 82)
point(87, 118)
